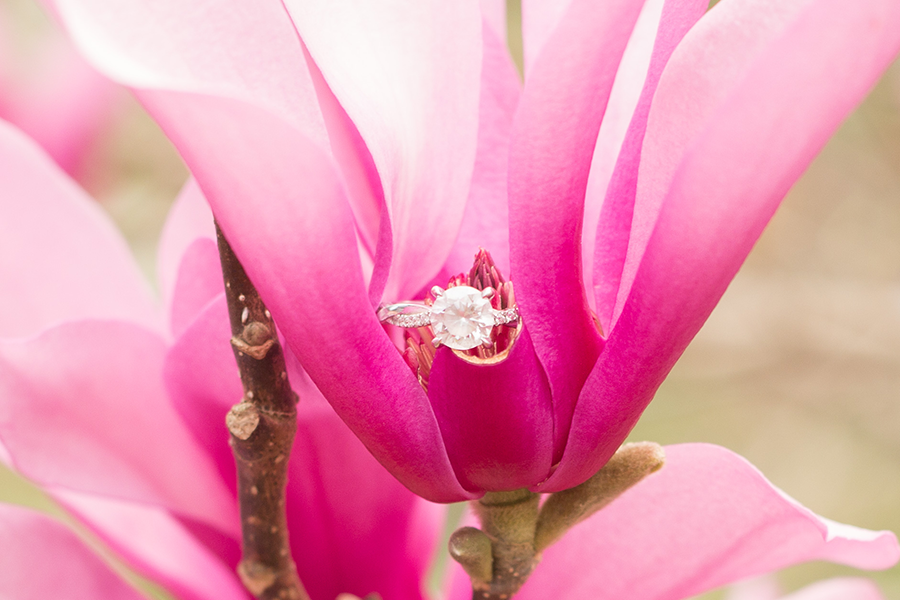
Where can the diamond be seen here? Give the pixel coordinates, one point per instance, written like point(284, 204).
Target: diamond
point(462, 318)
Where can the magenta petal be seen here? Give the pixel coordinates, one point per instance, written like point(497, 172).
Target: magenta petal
point(726, 84)
point(199, 281)
point(358, 170)
point(228, 48)
point(613, 227)
point(42, 559)
point(843, 588)
point(726, 189)
point(486, 218)
point(407, 74)
point(62, 258)
point(539, 19)
point(550, 156)
point(282, 207)
point(360, 530)
point(497, 420)
point(188, 219)
point(157, 546)
point(203, 382)
point(354, 527)
point(708, 518)
point(82, 407)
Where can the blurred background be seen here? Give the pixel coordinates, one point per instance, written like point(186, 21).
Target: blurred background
point(798, 369)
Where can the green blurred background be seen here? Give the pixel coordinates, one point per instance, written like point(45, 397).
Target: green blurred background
point(798, 369)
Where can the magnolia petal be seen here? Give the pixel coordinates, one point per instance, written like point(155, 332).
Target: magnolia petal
point(188, 219)
point(727, 187)
point(58, 99)
point(62, 257)
point(539, 19)
point(283, 209)
point(356, 529)
point(486, 219)
point(229, 49)
point(553, 139)
point(199, 281)
point(702, 74)
point(203, 381)
point(43, 559)
point(494, 14)
point(497, 420)
point(407, 74)
point(627, 90)
point(83, 408)
point(613, 181)
point(274, 191)
point(157, 546)
point(373, 534)
point(358, 170)
point(842, 588)
point(707, 518)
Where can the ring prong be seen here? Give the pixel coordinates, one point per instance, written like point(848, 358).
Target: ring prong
point(436, 291)
point(487, 292)
point(436, 342)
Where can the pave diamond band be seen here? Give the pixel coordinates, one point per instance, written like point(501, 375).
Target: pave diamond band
point(461, 317)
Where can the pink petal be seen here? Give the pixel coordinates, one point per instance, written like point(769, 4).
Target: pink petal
point(497, 420)
point(550, 155)
point(157, 546)
point(203, 382)
point(407, 75)
point(189, 219)
point(229, 49)
point(706, 519)
point(731, 179)
point(199, 281)
point(283, 209)
point(280, 203)
point(354, 527)
point(486, 218)
point(714, 58)
point(42, 559)
point(62, 257)
point(494, 14)
point(614, 171)
point(358, 529)
point(56, 98)
point(360, 177)
point(539, 20)
point(83, 409)
point(844, 588)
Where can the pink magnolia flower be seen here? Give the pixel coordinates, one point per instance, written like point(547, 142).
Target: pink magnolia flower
point(119, 418)
point(354, 152)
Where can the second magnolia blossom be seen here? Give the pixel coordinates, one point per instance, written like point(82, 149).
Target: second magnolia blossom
point(356, 154)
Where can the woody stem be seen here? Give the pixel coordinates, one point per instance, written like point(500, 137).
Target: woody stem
point(262, 427)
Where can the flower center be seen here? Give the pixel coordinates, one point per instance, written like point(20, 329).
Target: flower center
point(463, 319)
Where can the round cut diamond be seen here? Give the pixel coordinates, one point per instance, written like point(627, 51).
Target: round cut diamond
point(462, 318)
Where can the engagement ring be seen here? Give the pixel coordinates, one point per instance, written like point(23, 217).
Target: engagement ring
point(461, 317)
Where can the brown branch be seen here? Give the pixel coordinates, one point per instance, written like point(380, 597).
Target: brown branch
point(262, 430)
